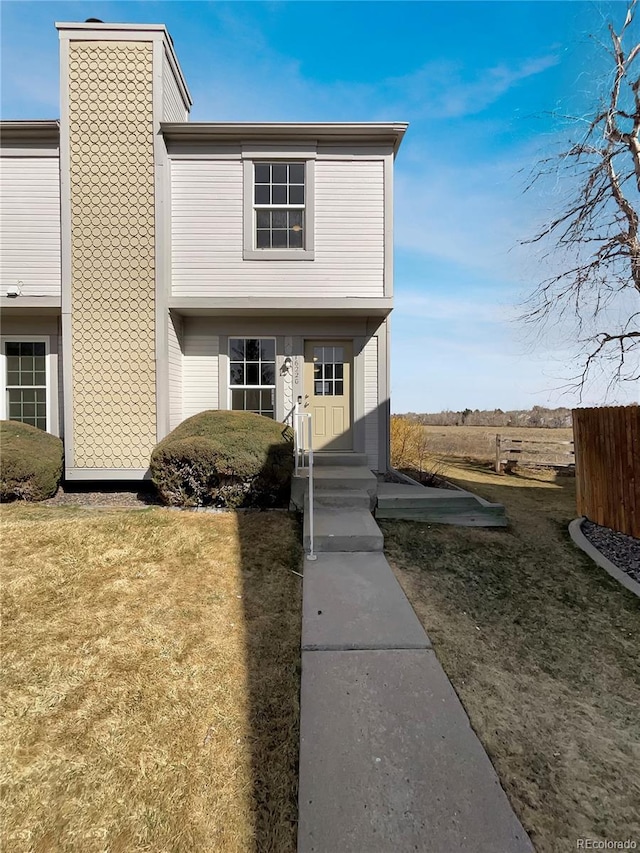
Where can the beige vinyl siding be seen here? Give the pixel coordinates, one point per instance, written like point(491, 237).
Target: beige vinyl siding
point(175, 371)
point(173, 108)
point(199, 368)
point(371, 413)
point(30, 225)
point(206, 204)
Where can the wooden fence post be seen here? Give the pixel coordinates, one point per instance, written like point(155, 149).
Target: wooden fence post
point(498, 452)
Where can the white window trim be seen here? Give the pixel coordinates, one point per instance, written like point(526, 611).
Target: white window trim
point(250, 253)
point(28, 339)
point(274, 387)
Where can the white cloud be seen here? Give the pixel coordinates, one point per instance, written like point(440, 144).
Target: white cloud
point(470, 213)
point(441, 90)
point(482, 308)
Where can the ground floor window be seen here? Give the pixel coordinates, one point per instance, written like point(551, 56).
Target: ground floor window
point(26, 382)
point(252, 375)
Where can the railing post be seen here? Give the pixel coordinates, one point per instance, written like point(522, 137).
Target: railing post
point(311, 555)
point(295, 437)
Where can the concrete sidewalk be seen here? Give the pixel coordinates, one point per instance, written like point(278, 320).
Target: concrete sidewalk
point(388, 760)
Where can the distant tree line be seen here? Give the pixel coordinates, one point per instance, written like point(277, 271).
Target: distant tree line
point(538, 416)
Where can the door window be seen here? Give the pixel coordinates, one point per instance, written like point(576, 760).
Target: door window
point(328, 371)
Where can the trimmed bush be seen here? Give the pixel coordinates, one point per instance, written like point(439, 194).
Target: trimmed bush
point(30, 462)
point(227, 459)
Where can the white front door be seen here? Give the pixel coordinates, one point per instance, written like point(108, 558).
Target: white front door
point(327, 393)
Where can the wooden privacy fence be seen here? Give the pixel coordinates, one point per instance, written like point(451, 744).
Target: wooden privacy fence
point(607, 445)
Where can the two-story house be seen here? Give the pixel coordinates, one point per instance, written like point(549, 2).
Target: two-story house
point(152, 267)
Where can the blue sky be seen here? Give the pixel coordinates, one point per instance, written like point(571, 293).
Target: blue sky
point(478, 82)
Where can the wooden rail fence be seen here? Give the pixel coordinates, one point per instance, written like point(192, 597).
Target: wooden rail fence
point(508, 450)
point(607, 445)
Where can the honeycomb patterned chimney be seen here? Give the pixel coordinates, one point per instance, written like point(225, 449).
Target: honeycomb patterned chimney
point(113, 304)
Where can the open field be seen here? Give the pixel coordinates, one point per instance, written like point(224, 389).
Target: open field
point(473, 442)
point(151, 679)
point(542, 647)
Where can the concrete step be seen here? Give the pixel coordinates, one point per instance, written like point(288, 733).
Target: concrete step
point(459, 503)
point(345, 477)
point(343, 530)
point(401, 494)
point(333, 459)
point(345, 498)
point(333, 478)
point(481, 518)
point(438, 506)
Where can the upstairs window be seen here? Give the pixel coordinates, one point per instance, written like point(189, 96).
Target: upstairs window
point(279, 202)
point(278, 206)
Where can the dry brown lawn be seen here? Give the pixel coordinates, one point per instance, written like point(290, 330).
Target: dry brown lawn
point(151, 679)
point(478, 442)
point(543, 648)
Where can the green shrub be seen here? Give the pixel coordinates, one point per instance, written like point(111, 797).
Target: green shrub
point(30, 462)
point(224, 459)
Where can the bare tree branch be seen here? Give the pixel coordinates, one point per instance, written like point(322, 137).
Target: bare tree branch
point(595, 239)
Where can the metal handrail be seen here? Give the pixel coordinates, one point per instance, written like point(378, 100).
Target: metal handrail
point(299, 452)
point(299, 443)
point(296, 443)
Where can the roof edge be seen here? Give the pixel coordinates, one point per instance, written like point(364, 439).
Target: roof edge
point(29, 129)
point(105, 25)
point(336, 131)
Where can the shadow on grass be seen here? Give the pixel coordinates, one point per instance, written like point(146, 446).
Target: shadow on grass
point(271, 556)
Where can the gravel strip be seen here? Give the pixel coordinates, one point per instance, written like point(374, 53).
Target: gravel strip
point(622, 550)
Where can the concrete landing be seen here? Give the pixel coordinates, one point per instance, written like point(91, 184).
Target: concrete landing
point(389, 762)
point(342, 529)
point(353, 601)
